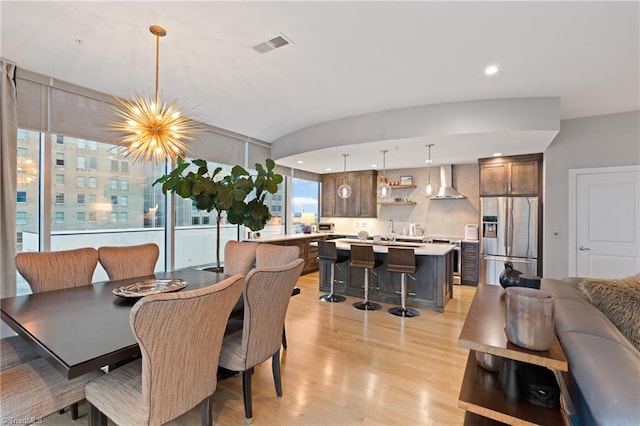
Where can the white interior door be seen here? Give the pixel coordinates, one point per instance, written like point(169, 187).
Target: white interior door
point(606, 214)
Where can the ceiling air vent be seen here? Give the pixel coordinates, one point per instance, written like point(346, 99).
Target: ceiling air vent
point(278, 41)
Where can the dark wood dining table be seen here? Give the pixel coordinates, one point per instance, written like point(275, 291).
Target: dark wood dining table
point(82, 329)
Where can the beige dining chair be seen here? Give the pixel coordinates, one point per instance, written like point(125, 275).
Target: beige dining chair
point(14, 351)
point(55, 270)
point(180, 335)
point(129, 261)
point(275, 255)
point(35, 389)
point(239, 257)
point(267, 291)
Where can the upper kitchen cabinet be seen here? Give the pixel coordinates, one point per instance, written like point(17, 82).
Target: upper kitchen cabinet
point(362, 202)
point(515, 175)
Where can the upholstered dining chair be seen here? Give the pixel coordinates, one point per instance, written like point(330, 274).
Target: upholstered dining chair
point(14, 351)
point(180, 335)
point(266, 294)
point(275, 255)
point(55, 270)
point(129, 261)
point(239, 257)
point(35, 389)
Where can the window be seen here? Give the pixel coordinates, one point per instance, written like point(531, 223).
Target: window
point(195, 220)
point(59, 179)
point(80, 216)
point(59, 217)
point(82, 144)
point(93, 163)
point(80, 198)
point(22, 152)
point(114, 183)
point(124, 167)
point(114, 217)
point(59, 198)
point(114, 200)
point(124, 201)
point(92, 216)
point(124, 216)
point(60, 140)
point(206, 220)
point(114, 165)
point(124, 185)
point(93, 182)
point(92, 198)
point(81, 181)
point(81, 162)
point(21, 218)
point(305, 195)
point(93, 146)
point(59, 159)
point(21, 196)
point(23, 134)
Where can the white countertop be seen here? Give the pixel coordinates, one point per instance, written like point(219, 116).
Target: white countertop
point(287, 237)
point(421, 249)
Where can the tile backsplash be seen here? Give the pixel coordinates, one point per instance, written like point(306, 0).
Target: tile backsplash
point(438, 218)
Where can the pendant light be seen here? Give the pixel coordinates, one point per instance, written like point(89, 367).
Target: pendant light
point(153, 130)
point(384, 189)
point(344, 190)
point(431, 187)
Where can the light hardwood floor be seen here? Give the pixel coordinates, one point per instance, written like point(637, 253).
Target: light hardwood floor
point(348, 367)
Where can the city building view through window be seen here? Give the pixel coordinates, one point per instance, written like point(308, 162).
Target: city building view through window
point(94, 196)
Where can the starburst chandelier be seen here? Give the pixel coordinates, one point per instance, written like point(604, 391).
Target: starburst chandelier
point(27, 171)
point(153, 130)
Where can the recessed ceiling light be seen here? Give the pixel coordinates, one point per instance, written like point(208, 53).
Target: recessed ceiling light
point(428, 161)
point(491, 70)
point(328, 169)
point(497, 154)
point(300, 162)
point(373, 166)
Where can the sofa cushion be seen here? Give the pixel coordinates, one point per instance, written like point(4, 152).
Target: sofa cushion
point(619, 300)
point(608, 375)
point(574, 316)
point(565, 289)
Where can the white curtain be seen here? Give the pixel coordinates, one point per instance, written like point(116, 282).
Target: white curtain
point(8, 178)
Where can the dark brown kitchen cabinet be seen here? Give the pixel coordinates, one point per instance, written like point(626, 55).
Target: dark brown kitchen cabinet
point(469, 262)
point(362, 202)
point(515, 175)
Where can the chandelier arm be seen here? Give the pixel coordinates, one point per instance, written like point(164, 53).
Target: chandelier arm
point(157, 67)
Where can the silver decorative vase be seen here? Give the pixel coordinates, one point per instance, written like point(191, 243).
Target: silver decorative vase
point(529, 318)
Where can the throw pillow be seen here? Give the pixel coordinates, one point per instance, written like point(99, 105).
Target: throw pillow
point(619, 300)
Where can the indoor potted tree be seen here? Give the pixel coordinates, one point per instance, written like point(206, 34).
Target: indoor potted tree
point(229, 193)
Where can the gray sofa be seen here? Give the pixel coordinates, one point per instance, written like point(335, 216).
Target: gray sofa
point(604, 367)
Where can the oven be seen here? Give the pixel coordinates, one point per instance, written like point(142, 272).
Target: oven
point(325, 227)
point(457, 258)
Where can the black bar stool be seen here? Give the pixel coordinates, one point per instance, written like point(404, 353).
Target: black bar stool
point(403, 261)
point(362, 256)
point(327, 253)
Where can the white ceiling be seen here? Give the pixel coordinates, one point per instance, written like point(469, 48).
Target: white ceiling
point(348, 58)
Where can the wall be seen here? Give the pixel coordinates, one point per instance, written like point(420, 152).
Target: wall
point(601, 141)
point(438, 218)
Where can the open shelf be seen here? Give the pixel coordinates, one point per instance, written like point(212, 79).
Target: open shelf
point(481, 394)
point(403, 186)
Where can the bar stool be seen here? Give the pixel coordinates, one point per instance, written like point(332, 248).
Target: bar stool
point(362, 257)
point(403, 261)
point(327, 253)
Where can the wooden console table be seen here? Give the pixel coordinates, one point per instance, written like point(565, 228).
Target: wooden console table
point(480, 393)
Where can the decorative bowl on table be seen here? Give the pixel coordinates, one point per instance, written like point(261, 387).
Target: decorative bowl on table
point(149, 286)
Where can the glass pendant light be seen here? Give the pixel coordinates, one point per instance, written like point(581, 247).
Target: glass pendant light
point(430, 188)
point(344, 190)
point(384, 189)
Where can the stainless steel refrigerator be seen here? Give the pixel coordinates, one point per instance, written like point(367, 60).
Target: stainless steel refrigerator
point(509, 233)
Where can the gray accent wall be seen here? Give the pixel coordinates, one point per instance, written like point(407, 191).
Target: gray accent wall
point(590, 142)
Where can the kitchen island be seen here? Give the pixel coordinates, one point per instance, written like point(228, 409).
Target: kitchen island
point(433, 284)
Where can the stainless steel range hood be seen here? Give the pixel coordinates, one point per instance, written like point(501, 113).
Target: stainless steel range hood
point(447, 191)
